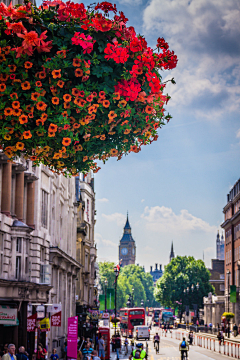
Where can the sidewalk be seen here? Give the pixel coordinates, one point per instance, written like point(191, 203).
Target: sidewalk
point(232, 337)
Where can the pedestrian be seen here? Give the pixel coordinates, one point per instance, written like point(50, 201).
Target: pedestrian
point(54, 355)
point(10, 355)
point(235, 330)
point(101, 347)
point(21, 354)
point(95, 355)
point(219, 337)
point(118, 344)
point(41, 352)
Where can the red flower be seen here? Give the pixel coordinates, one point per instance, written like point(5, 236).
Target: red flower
point(116, 52)
point(86, 42)
point(106, 7)
point(135, 45)
point(101, 23)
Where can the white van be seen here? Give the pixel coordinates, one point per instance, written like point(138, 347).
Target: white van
point(141, 332)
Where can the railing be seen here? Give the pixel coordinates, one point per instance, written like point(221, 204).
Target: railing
point(210, 342)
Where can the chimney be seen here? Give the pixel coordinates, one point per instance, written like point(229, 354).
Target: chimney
point(160, 267)
point(156, 266)
point(150, 268)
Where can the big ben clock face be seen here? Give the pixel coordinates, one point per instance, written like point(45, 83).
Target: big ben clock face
point(133, 251)
point(124, 251)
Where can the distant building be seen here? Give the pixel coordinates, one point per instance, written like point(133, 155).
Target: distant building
point(127, 247)
point(217, 276)
point(220, 244)
point(172, 255)
point(157, 273)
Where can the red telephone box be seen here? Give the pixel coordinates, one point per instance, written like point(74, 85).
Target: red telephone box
point(105, 332)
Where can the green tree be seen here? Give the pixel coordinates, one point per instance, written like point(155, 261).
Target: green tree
point(106, 272)
point(181, 273)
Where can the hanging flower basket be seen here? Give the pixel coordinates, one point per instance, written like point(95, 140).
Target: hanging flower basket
point(77, 85)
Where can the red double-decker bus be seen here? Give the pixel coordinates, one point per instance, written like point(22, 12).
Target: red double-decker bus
point(130, 317)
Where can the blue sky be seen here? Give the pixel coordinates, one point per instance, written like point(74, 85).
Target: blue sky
point(175, 189)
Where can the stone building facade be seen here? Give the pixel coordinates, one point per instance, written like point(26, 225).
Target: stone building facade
point(86, 247)
point(38, 214)
point(231, 226)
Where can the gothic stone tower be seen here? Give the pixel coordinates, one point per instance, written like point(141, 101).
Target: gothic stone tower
point(127, 247)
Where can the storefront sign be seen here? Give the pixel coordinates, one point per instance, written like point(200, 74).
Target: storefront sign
point(31, 323)
point(54, 308)
point(8, 316)
point(45, 324)
point(110, 299)
point(40, 311)
point(233, 293)
point(56, 319)
point(105, 316)
point(101, 302)
point(72, 337)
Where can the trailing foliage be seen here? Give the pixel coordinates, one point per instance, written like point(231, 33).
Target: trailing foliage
point(77, 85)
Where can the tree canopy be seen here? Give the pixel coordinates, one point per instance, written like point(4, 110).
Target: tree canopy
point(181, 273)
point(131, 276)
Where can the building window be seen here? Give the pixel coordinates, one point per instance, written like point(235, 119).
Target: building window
point(222, 287)
point(18, 267)
point(44, 208)
point(42, 255)
point(1, 252)
point(87, 211)
point(19, 245)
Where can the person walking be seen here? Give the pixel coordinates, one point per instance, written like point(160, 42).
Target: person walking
point(54, 355)
point(21, 354)
point(235, 330)
point(184, 348)
point(101, 347)
point(10, 355)
point(41, 352)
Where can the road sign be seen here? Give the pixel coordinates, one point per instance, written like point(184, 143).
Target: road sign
point(105, 316)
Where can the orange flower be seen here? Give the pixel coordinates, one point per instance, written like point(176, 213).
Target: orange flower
point(8, 151)
point(23, 119)
point(27, 134)
point(7, 49)
point(102, 94)
point(148, 109)
point(12, 68)
point(123, 103)
point(72, 120)
point(127, 131)
point(65, 114)
point(19, 145)
point(17, 112)
point(147, 134)
point(8, 111)
point(26, 85)
point(113, 152)
point(41, 106)
point(33, 158)
point(38, 83)
point(2, 58)
point(66, 141)
point(62, 53)
point(51, 133)
point(67, 98)
point(76, 126)
point(106, 103)
point(85, 158)
point(77, 62)
point(35, 96)
point(4, 77)
point(44, 116)
point(60, 83)
point(39, 122)
point(10, 130)
point(75, 92)
point(39, 133)
point(78, 73)
point(66, 105)
point(56, 74)
point(16, 104)
point(116, 96)
point(79, 147)
point(7, 137)
point(2, 87)
point(14, 96)
point(103, 137)
point(55, 100)
point(56, 156)
point(53, 127)
point(42, 75)
point(112, 115)
point(28, 65)
point(42, 92)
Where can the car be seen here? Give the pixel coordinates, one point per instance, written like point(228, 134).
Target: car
point(141, 332)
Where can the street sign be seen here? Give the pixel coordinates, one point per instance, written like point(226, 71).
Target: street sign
point(31, 322)
point(54, 308)
point(102, 302)
point(45, 324)
point(110, 299)
point(105, 316)
point(56, 319)
point(40, 311)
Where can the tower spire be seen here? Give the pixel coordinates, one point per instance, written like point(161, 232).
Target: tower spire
point(172, 255)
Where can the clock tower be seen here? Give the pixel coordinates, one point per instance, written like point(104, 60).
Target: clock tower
point(127, 247)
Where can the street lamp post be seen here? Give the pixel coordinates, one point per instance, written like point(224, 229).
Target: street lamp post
point(228, 296)
point(197, 287)
point(132, 297)
point(106, 284)
point(142, 303)
point(116, 272)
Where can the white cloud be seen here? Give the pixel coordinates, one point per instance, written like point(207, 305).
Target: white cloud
point(142, 200)
point(238, 133)
point(100, 241)
point(148, 249)
point(132, 2)
point(116, 217)
point(104, 200)
point(163, 219)
point(204, 34)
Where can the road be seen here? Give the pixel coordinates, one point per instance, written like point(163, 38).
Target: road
point(169, 350)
